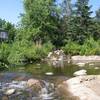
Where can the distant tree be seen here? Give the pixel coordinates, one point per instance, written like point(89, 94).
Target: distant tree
point(98, 14)
point(66, 15)
point(10, 28)
point(11, 31)
point(82, 20)
point(2, 22)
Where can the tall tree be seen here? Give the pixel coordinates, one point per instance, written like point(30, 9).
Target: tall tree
point(66, 14)
point(82, 20)
point(39, 14)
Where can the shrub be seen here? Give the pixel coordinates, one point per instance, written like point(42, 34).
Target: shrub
point(72, 48)
point(90, 47)
point(4, 52)
point(24, 51)
point(37, 53)
point(18, 51)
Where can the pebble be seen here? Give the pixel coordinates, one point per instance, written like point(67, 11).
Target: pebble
point(9, 91)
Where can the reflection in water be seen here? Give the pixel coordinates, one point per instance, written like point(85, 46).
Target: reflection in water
point(66, 70)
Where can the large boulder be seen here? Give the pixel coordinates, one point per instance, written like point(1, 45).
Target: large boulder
point(84, 87)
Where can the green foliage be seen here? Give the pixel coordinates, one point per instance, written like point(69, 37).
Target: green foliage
point(98, 15)
point(72, 48)
point(24, 51)
point(90, 47)
point(11, 31)
point(18, 51)
point(74, 30)
point(42, 16)
point(4, 52)
point(2, 22)
point(38, 52)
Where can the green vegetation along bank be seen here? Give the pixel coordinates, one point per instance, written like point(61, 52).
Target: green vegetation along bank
point(46, 26)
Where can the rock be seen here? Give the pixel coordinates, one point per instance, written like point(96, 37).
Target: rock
point(56, 58)
point(85, 59)
point(9, 91)
point(50, 53)
point(81, 64)
point(91, 64)
point(96, 68)
point(33, 82)
point(38, 64)
point(49, 73)
point(88, 89)
point(5, 98)
point(80, 73)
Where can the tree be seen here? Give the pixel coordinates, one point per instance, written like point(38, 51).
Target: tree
point(82, 20)
point(66, 7)
point(98, 14)
point(11, 31)
point(10, 28)
point(2, 22)
point(39, 16)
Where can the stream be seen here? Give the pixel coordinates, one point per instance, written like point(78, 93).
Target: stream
point(16, 78)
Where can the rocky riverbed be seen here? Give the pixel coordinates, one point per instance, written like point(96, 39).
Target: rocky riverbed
point(21, 86)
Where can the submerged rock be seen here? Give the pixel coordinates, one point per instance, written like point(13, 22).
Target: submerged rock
point(81, 64)
point(49, 73)
point(80, 73)
point(96, 68)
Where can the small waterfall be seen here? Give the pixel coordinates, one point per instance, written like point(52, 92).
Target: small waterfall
point(47, 92)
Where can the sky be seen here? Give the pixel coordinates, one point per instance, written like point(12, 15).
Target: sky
point(11, 9)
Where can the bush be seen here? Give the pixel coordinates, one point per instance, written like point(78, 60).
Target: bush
point(24, 51)
point(18, 51)
point(90, 47)
point(4, 52)
point(72, 48)
point(37, 53)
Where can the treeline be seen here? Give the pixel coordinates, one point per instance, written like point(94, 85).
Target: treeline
point(46, 25)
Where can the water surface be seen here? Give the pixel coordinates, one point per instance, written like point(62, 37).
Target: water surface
point(38, 71)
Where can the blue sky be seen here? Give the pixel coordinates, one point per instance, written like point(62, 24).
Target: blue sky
point(10, 9)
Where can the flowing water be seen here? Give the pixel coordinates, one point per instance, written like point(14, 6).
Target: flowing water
point(16, 77)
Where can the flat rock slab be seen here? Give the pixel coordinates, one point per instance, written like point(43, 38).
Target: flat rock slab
point(85, 87)
point(85, 59)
